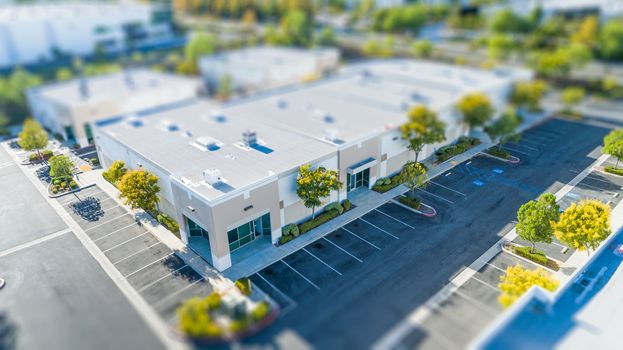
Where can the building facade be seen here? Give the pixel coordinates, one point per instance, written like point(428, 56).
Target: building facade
point(228, 173)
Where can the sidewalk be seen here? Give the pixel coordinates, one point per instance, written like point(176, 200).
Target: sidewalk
point(364, 203)
point(218, 282)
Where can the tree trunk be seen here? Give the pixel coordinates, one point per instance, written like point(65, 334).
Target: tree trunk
point(616, 165)
point(416, 156)
point(313, 212)
point(532, 250)
point(413, 193)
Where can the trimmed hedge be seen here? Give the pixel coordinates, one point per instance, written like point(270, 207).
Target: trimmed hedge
point(244, 285)
point(168, 222)
point(318, 220)
point(410, 202)
point(385, 184)
point(346, 205)
point(494, 151)
point(45, 154)
point(334, 206)
point(538, 257)
point(331, 211)
point(463, 144)
point(613, 170)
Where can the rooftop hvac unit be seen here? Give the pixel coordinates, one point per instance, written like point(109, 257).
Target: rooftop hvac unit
point(212, 176)
point(249, 138)
point(331, 134)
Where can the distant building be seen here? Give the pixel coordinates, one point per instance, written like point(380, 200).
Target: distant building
point(67, 108)
point(604, 9)
point(261, 68)
point(40, 32)
point(228, 173)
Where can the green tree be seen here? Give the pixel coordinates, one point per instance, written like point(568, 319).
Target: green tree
point(296, 28)
point(422, 48)
point(584, 225)
point(529, 94)
point(613, 145)
point(535, 219)
point(507, 21)
point(587, 33)
point(200, 44)
point(61, 167)
point(224, 87)
point(553, 64)
point(413, 175)
point(571, 96)
point(611, 40)
point(518, 280)
point(476, 109)
point(499, 46)
point(422, 128)
point(195, 320)
point(326, 37)
point(579, 54)
point(33, 137)
point(115, 172)
point(314, 185)
point(139, 189)
point(503, 129)
point(63, 74)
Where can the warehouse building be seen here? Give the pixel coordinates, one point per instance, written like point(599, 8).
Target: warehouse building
point(228, 173)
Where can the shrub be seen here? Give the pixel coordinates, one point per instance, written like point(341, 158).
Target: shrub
point(318, 220)
point(47, 154)
point(285, 239)
point(260, 311)
point(237, 326)
point(463, 144)
point(56, 182)
point(346, 204)
point(410, 202)
point(494, 151)
point(613, 170)
point(334, 206)
point(538, 257)
point(73, 184)
point(95, 161)
point(213, 301)
point(115, 172)
point(54, 189)
point(33, 157)
point(244, 285)
point(290, 230)
point(168, 222)
point(385, 184)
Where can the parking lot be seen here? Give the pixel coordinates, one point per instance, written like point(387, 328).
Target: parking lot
point(350, 287)
point(154, 270)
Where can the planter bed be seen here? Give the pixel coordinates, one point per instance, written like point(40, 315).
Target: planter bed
point(614, 171)
point(331, 211)
point(502, 155)
point(417, 206)
point(538, 258)
point(463, 144)
point(62, 188)
point(385, 184)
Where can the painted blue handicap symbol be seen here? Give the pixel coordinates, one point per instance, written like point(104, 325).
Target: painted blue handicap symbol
point(478, 183)
point(572, 195)
point(498, 171)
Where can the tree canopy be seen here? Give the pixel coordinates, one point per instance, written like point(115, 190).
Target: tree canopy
point(115, 172)
point(139, 189)
point(572, 96)
point(194, 317)
point(413, 175)
point(611, 40)
point(422, 48)
point(518, 280)
point(476, 109)
point(584, 225)
point(535, 219)
point(613, 145)
point(33, 137)
point(507, 21)
point(315, 184)
point(503, 129)
point(200, 44)
point(423, 127)
point(529, 94)
point(61, 167)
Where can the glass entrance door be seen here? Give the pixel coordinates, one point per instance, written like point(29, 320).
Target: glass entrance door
point(360, 179)
point(246, 233)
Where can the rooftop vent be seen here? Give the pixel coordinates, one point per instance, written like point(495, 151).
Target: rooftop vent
point(135, 122)
point(329, 119)
point(249, 138)
point(208, 143)
point(187, 133)
point(169, 126)
point(212, 176)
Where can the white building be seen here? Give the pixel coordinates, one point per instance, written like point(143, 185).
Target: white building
point(260, 68)
point(228, 173)
point(38, 32)
point(67, 108)
point(605, 9)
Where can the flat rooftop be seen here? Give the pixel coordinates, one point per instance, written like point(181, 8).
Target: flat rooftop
point(299, 124)
point(61, 11)
point(122, 85)
point(266, 57)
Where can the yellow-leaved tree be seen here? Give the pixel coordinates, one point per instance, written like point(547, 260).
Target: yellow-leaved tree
point(518, 280)
point(584, 225)
point(139, 189)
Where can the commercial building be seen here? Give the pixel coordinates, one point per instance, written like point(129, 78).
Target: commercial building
point(67, 108)
point(260, 68)
point(35, 33)
point(228, 173)
point(604, 9)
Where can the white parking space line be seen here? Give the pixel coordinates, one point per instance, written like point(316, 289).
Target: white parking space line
point(598, 179)
point(538, 143)
point(159, 302)
point(34, 242)
point(161, 278)
point(115, 231)
point(448, 188)
point(361, 238)
point(148, 265)
point(485, 283)
point(300, 274)
point(400, 221)
point(514, 150)
point(524, 146)
point(105, 222)
point(322, 261)
point(595, 187)
point(289, 300)
point(542, 138)
point(124, 242)
point(138, 252)
point(476, 303)
point(437, 196)
point(342, 249)
point(386, 232)
point(558, 244)
point(495, 267)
